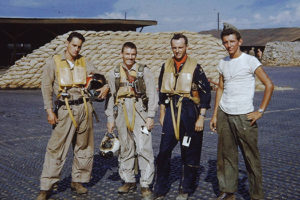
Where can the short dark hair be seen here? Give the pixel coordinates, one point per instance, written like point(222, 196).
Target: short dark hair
point(130, 45)
point(75, 35)
point(230, 31)
point(177, 36)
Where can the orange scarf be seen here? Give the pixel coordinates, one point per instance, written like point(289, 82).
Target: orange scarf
point(179, 63)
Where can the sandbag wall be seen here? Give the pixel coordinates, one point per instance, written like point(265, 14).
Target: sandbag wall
point(103, 50)
point(281, 54)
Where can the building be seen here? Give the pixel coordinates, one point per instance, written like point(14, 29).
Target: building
point(19, 36)
point(258, 38)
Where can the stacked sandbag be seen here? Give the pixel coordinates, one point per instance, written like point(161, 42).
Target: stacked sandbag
point(282, 54)
point(103, 50)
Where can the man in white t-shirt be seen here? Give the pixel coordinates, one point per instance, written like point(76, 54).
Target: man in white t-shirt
point(234, 117)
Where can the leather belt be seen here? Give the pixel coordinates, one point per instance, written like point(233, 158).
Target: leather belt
point(73, 102)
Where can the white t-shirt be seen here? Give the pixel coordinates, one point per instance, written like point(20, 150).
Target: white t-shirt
point(239, 83)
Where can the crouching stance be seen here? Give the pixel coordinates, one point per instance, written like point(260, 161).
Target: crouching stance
point(65, 75)
point(132, 108)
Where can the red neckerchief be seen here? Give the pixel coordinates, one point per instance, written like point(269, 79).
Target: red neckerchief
point(179, 63)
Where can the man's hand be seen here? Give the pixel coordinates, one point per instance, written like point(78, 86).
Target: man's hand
point(199, 125)
point(213, 123)
point(52, 119)
point(149, 123)
point(103, 91)
point(254, 116)
point(110, 126)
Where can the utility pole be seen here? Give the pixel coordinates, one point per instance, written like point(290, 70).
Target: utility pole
point(125, 15)
point(218, 22)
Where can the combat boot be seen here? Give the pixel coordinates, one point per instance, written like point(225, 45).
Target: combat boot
point(146, 193)
point(182, 196)
point(157, 196)
point(42, 195)
point(127, 187)
point(226, 196)
point(78, 187)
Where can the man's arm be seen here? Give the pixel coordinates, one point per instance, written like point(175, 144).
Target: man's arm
point(109, 112)
point(162, 113)
point(152, 97)
point(162, 97)
point(199, 125)
point(269, 87)
point(103, 91)
point(48, 77)
point(204, 92)
point(213, 121)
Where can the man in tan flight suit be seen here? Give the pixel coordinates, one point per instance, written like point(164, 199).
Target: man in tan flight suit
point(65, 75)
point(132, 107)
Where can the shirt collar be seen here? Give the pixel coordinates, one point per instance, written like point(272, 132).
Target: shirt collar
point(132, 68)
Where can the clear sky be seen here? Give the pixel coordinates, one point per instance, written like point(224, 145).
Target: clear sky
point(172, 15)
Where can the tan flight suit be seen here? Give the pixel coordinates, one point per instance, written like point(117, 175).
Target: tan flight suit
point(65, 132)
point(135, 141)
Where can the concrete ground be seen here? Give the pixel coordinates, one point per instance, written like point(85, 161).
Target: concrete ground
point(24, 134)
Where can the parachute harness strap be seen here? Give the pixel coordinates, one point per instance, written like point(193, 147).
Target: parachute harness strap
point(70, 112)
point(130, 127)
point(66, 99)
point(176, 122)
point(85, 104)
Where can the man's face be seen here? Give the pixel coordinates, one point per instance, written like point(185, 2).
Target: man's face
point(179, 48)
point(232, 44)
point(128, 56)
point(73, 47)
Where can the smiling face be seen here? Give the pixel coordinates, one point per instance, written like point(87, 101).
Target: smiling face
point(128, 55)
point(232, 45)
point(73, 48)
point(179, 48)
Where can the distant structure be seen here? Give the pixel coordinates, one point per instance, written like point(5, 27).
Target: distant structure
point(19, 36)
point(282, 54)
point(266, 38)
